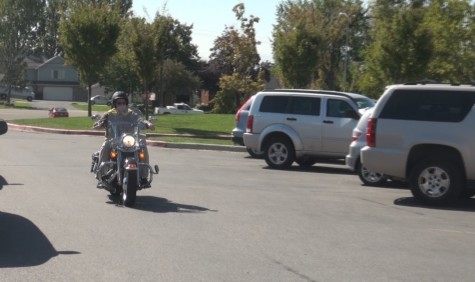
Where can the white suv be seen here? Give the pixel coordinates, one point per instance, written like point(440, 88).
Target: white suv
point(424, 133)
point(303, 125)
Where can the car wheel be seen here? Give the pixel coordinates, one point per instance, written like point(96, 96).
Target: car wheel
point(279, 153)
point(92, 103)
point(436, 181)
point(29, 99)
point(368, 177)
point(255, 153)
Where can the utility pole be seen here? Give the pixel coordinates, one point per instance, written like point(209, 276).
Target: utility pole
point(347, 48)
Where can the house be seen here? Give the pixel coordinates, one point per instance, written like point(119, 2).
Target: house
point(52, 79)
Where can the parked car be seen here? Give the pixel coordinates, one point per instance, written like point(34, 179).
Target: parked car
point(17, 92)
point(423, 133)
point(353, 160)
point(303, 125)
point(177, 108)
point(100, 100)
point(58, 112)
point(238, 132)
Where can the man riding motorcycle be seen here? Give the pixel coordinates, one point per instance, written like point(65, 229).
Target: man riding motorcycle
point(120, 110)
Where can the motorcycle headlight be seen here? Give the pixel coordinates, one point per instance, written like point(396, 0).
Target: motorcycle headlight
point(128, 141)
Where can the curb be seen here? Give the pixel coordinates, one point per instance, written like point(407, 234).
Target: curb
point(163, 144)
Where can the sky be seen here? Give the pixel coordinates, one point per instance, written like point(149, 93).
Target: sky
point(210, 18)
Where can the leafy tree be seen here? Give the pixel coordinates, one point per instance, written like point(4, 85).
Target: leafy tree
point(172, 42)
point(452, 29)
point(88, 37)
point(235, 55)
point(18, 24)
point(120, 72)
point(310, 40)
point(179, 82)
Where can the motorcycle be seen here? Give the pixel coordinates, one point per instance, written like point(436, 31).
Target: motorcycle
point(124, 170)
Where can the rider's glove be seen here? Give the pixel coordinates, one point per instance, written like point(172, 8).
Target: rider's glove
point(150, 125)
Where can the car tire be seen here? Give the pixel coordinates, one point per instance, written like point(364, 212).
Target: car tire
point(29, 99)
point(279, 153)
point(255, 153)
point(436, 181)
point(368, 177)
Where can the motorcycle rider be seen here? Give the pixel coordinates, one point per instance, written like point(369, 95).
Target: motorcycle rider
point(120, 109)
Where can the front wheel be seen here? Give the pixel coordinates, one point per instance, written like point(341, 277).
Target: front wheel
point(436, 181)
point(129, 188)
point(368, 177)
point(279, 153)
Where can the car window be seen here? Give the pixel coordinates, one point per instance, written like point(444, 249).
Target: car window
point(275, 104)
point(363, 103)
point(305, 106)
point(427, 105)
point(338, 108)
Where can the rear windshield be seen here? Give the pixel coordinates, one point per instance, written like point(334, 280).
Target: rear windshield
point(428, 105)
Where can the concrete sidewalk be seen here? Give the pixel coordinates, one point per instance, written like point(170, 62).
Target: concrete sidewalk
point(163, 144)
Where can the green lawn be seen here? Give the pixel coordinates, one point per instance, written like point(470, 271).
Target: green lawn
point(203, 125)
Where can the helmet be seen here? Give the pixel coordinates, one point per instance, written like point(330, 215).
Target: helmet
point(119, 95)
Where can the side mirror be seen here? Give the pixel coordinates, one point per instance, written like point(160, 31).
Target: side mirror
point(3, 127)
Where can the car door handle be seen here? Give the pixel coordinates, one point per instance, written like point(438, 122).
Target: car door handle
point(328, 121)
point(291, 119)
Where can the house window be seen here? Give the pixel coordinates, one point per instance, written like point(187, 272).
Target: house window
point(57, 74)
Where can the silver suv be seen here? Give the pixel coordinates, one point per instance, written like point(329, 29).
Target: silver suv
point(424, 133)
point(303, 125)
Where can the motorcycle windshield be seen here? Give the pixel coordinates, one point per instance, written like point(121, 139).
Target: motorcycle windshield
point(128, 124)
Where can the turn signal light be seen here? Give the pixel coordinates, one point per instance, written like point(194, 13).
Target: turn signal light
point(113, 154)
point(142, 155)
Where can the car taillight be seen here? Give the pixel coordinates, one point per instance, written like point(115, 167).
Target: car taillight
point(371, 132)
point(249, 123)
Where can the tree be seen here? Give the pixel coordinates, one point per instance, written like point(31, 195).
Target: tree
point(310, 42)
point(235, 55)
point(18, 25)
point(88, 37)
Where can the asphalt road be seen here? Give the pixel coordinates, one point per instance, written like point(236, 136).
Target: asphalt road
point(216, 216)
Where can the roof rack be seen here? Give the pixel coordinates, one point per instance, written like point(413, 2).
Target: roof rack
point(314, 91)
point(430, 81)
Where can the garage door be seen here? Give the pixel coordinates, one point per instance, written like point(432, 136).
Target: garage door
point(58, 93)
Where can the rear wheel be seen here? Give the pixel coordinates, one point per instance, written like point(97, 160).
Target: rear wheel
point(369, 177)
point(436, 181)
point(129, 188)
point(279, 153)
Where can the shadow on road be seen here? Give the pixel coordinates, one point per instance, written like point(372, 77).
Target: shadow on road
point(22, 244)
point(4, 182)
point(467, 205)
point(159, 205)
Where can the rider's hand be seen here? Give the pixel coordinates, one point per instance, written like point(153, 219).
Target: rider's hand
point(97, 124)
point(150, 125)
